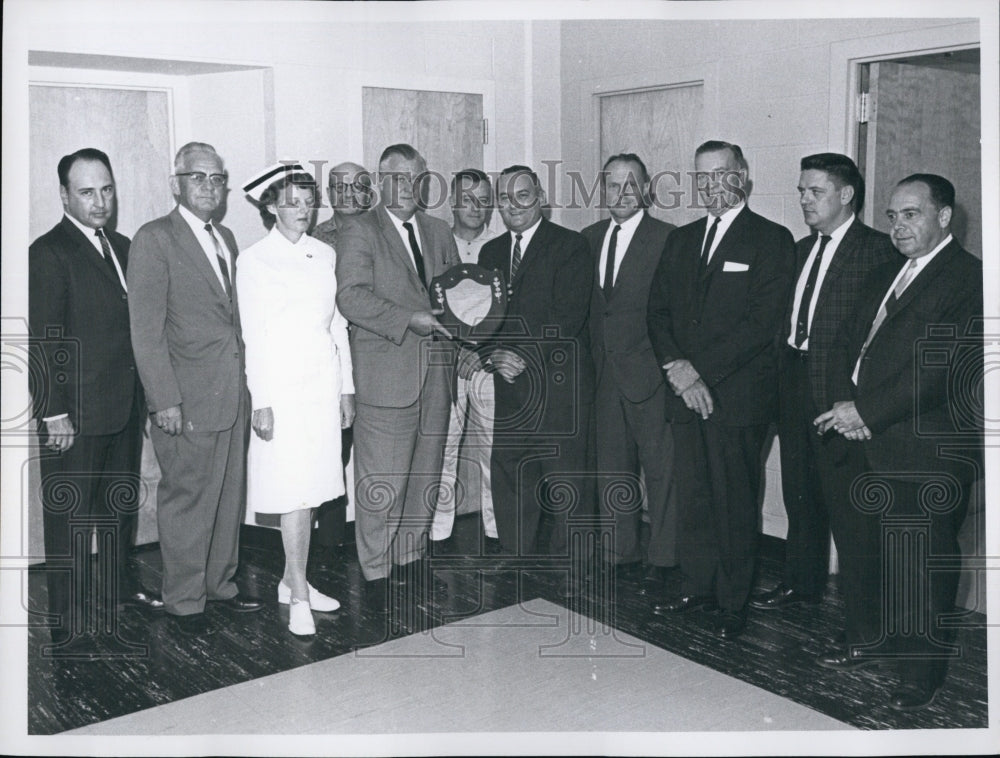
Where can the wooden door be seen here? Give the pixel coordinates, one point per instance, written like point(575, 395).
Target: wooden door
point(663, 127)
point(446, 127)
point(924, 118)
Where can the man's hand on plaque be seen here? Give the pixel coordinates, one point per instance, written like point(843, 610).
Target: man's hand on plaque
point(508, 364)
point(425, 323)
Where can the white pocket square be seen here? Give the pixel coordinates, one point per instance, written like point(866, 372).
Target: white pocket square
point(734, 266)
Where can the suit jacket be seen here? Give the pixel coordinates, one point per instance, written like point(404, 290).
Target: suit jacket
point(185, 330)
point(378, 290)
point(920, 381)
point(861, 250)
point(618, 333)
point(546, 322)
point(78, 315)
point(723, 319)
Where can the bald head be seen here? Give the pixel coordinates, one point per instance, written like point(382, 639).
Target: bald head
point(350, 189)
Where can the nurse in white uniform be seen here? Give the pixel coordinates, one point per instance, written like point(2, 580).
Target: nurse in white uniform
point(299, 374)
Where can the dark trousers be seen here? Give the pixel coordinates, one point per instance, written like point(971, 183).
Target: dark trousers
point(719, 471)
point(539, 482)
point(629, 436)
point(808, 540)
point(96, 483)
point(899, 563)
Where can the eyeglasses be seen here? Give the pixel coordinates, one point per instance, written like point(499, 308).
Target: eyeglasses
point(357, 186)
point(199, 177)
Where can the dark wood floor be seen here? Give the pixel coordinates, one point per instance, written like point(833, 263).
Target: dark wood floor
point(776, 652)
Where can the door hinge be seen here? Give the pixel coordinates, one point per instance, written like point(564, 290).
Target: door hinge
point(864, 103)
point(486, 131)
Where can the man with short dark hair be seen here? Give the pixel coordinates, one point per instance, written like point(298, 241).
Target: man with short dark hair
point(386, 261)
point(543, 372)
point(470, 428)
point(715, 306)
point(832, 263)
point(632, 431)
point(351, 194)
point(906, 391)
point(189, 350)
point(92, 421)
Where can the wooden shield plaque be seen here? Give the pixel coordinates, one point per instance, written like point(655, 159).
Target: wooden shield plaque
point(474, 300)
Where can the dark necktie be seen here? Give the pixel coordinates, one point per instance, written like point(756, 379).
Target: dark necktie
point(609, 267)
point(802, 323)
point(418, 259)
point(223, 266)
point(106, 249)
point(515, 260)
point(707, 249)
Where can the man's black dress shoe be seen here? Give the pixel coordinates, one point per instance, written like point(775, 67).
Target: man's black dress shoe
point(729, 625)
point(193, 625)
point(145, 599)
point(492, 545)
point(242, 603)
point(910, 696)
point(781, 597)
point(686, 603)
point(653, 580)
point(845, 659)
point(441, 548)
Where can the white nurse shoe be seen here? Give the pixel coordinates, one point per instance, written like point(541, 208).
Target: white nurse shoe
point(300, 620)
point(317, 600)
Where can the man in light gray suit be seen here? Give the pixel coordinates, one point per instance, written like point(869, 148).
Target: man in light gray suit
point(189, 351)
point(386, 260)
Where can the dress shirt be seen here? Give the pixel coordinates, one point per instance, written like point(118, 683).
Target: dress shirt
point(91, 234)
point(725, 221)
point(921, 264)
point(468, 250)
point(526, 236)
point(405, 235)
point(207, 246)
point(831, 248)
point(625, 235)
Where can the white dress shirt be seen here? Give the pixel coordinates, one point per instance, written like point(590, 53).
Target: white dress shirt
point(526, 236)
point(824, 265)
point(625, 234)
point(405, 235)
point(920, 265)
point(91, 234)
point(725, 221)
point(205, 240)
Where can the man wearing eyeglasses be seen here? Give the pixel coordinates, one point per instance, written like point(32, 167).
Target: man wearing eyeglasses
point(189, 352)
point(386, 260)
point(351, 194)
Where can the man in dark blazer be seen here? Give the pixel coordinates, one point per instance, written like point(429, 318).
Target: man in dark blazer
point(832, 263)
point(715, 305)
point(92, 421)
point(632, 430)
point(189, 350)
point(543, 372)
point(906, 390)
point(386, 260)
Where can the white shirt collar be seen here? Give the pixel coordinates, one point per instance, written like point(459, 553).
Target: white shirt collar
point(193, 221)
point(838, 234)
point(526, 236)
point(89, 232)
point(630, 224)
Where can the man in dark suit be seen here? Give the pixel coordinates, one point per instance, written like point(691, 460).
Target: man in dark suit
point(78, 313)
point(905, 383)
point(630, 401)
point(189, 350)
point(831, 263)
point(385, 263)
point(715, 304)
point(543, 372)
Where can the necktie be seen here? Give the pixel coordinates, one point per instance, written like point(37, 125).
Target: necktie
point(609, 267)
point(515, 260)
point(418, 259)
point(802, 323)
point(223, 266)
point(106, 249)
point(883, 312)
point(706, 251)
